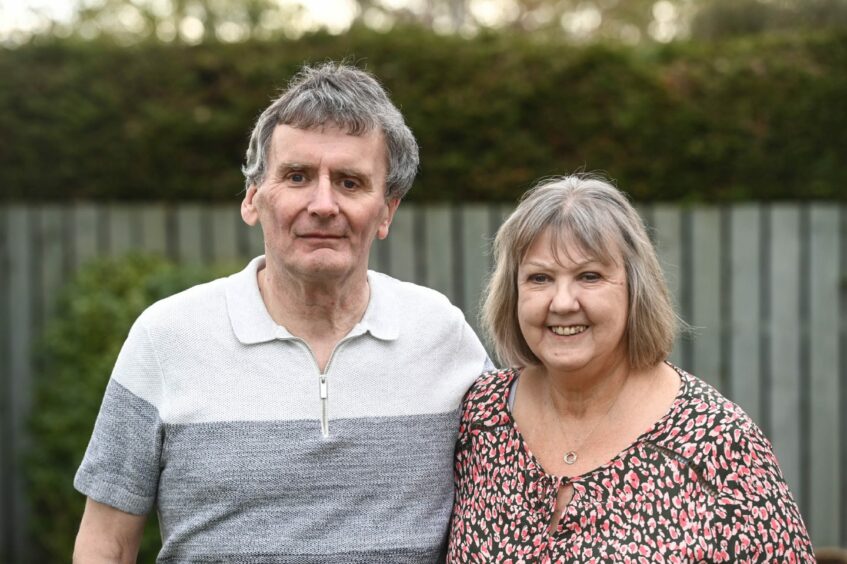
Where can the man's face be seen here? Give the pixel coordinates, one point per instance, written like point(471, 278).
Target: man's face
point(322, 202)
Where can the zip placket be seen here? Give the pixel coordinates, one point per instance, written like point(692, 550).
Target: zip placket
point(323, 385)
point(323, 381)
point(324, 393)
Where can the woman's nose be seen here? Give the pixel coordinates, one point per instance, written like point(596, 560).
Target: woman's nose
point(565, 298)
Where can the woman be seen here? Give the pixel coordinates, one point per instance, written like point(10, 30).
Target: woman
point(594, 448)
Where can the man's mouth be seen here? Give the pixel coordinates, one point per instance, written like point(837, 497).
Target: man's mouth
point(319, 236)
point(568, 330)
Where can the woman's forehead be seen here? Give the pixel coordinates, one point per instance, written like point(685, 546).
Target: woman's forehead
point(576, 247)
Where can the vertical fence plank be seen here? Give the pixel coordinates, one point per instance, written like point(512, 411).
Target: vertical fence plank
point(124, 230)
point(85, 235)
point(225, 220)
point(745, 370)
point(154, 228)
point(475, 235)
point(20, 298)
point(439, 250)
point(189, 220)
point(375, 261)
point(706, 294)
point(256, 239)
point(841, 423)
point(7, 454)
point(785, 342)
point(825, 438)
point(53, 247)
point(401, 245)
point(666, 227)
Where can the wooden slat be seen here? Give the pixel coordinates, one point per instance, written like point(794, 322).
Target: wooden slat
point(378, 250)
point(401, 245)
point(84, 226)
point(225, 220)
point(190, 233)
point(745, 370)
point(438, 250)
point(6, 376)
point(841, 423)
point(785, 342)
point(666, 225)
point(21, 294)
point(257, 240)
point(53, 249)
point(154, 228)
point(825, 437)
point(475, 237)
point(124, 229)
point(706, 293)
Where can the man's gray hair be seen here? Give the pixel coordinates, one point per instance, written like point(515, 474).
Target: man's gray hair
point(344, 96)
point(587, 211)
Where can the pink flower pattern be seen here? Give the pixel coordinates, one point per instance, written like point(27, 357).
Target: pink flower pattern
point(702, 485)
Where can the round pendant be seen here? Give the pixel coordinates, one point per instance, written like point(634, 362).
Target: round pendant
point(570, 457)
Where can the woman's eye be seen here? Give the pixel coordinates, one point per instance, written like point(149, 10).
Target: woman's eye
point(538, 278)
point(590, 276)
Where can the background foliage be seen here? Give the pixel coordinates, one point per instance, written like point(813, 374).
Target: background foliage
point(750, 118)
point(75, 360)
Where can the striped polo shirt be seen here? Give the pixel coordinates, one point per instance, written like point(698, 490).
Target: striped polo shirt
point(221, 420)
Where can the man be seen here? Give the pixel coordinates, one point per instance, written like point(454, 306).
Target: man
point(304, 409)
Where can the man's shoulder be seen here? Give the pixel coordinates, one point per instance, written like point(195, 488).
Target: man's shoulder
point(409, 292)
point(203, 300)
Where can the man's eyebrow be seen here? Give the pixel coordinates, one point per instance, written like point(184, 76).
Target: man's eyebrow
point(293, 165)
point(351, 171)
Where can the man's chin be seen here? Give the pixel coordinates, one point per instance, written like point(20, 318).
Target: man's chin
point(324, 268)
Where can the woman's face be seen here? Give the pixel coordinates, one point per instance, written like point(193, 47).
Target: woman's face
point(572, 309)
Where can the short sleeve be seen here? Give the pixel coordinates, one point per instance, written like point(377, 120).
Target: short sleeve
point(774, 528)
point(469, 349)
point(122, 462)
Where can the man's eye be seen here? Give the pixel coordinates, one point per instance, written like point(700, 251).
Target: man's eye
point(349, 184)
point(297, 177)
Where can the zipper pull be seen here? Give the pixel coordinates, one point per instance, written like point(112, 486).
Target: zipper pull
point(324, 391)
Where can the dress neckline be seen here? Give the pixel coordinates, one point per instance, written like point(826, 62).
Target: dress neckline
point(657, 427)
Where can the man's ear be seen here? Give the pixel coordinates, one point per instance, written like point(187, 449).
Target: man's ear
point(248, 208)
point(392, 205)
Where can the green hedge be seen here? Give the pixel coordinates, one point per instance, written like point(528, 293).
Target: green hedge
point(742, 119)
point(75, 360)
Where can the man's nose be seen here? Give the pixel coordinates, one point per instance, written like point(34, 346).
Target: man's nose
point(323, 198)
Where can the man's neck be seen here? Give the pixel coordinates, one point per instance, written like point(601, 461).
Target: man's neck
point(320, 313)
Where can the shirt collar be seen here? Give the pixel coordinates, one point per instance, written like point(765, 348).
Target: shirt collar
point(252, 323)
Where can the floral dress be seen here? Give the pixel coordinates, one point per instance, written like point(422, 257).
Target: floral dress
point(701, 485)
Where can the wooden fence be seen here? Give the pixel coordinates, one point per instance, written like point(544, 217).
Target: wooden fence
point(764, 285)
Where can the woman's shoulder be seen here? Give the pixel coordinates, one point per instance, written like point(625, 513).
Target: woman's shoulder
point(706, 412)
point(715, 436)
point(488, 395)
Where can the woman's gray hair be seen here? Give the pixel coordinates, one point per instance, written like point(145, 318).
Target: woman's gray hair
point(588, 211)
point(344, 96)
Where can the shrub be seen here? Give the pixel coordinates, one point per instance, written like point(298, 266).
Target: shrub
point(723, 121)
point(75, 359)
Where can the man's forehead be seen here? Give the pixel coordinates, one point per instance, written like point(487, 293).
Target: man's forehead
point(325, 136)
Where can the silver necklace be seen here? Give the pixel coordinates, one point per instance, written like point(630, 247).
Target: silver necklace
point(570, 457)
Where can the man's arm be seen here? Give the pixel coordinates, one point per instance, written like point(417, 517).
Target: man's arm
point(107, 535)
